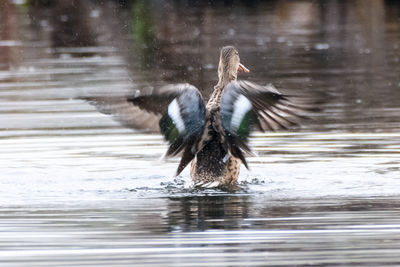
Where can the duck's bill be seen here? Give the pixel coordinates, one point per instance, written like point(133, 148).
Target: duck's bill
point(242, 68)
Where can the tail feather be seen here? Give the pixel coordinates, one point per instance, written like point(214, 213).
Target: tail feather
point(187, 157)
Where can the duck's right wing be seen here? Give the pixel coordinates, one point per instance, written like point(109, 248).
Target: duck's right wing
point(122, 110)
point(175, 110)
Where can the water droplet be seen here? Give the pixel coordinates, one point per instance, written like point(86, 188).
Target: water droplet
point(65, 56)
point(95, 13)
point(259, 41)
point(280, 39)
point(19, 2)
point(196, 31)
point(44, 23)
point(64, 18)
point(364, 51)
point(322, 46)
point(10, 43)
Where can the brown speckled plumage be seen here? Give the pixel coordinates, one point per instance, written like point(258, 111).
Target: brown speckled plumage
point(213, 165)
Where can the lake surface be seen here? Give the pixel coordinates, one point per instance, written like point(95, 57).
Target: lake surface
point(76, 188)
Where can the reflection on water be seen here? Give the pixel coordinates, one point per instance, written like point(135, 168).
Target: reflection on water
point(76, 188)
point(219, 231)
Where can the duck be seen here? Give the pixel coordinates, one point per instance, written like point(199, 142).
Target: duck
point(213, 136)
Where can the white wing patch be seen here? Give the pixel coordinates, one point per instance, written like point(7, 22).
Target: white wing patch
point(175, 114)
point(241, 106)
point(225, 159)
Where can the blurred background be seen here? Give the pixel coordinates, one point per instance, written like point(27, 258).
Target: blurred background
point(64, 49)
point(75, 182)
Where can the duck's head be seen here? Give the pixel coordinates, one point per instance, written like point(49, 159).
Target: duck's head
point(229, 64)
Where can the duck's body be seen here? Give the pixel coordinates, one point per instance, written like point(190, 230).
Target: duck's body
point(213, 136)
point(213, 165)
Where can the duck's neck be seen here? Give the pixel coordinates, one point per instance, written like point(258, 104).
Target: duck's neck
point(224, 79)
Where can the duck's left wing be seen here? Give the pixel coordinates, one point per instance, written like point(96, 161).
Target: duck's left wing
point(246, 104)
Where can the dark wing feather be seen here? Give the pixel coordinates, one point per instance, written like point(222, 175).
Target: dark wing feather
point(183, 123)
point(183, 117)
point(176, 110)
point(157, 102)
point(125, 113)
point(141, 112)
point(245, 104)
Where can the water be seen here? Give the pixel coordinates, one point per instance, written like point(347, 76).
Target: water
point(76, 188)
